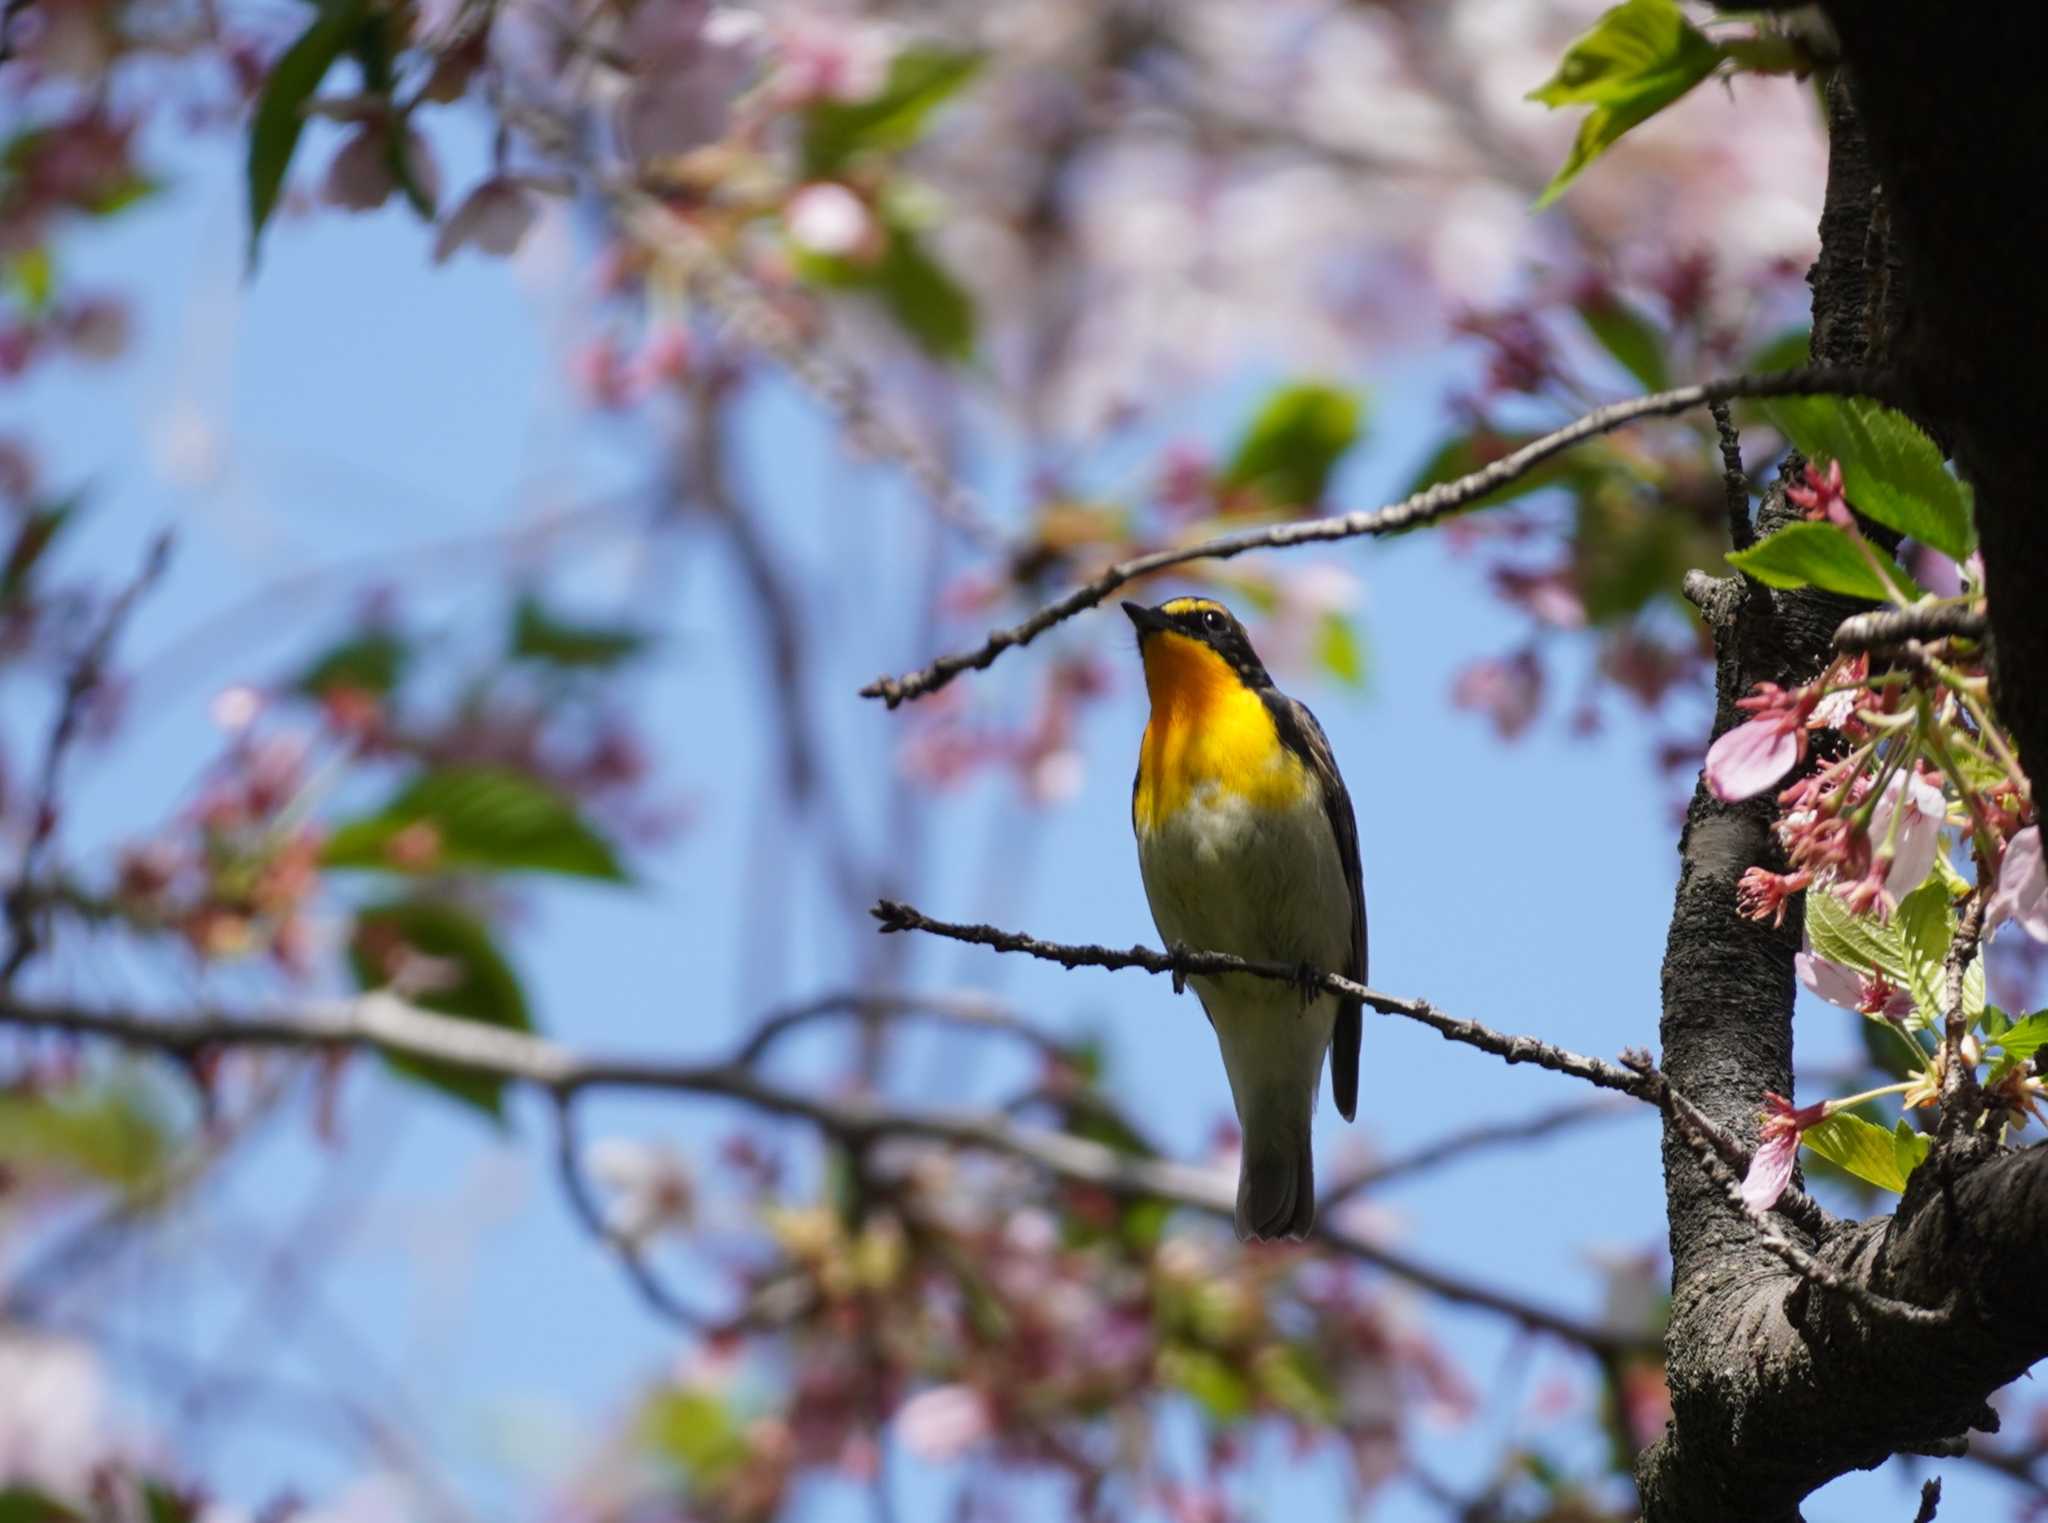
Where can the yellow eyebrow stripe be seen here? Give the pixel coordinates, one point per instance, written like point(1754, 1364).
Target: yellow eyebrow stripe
point(1180, 606)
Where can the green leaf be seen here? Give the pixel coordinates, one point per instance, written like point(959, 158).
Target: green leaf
point(1294, 442)
point(1822, 555)
point(1858, 1147)
point(538, 635)
point(36, 532)
point(161, 1504)
point(2025, 1037)
point(279, 118)
point(1215, 1386)
point(371, 662)
point(1926, 926)
point(920, 80)
point(1630, 338)
point(1860, 942)
point(695, 1431)
point(1892, 473)
point(33, 275)
point(1638, 58)
point(26, 1504)
point(469, 978)
point(1339, 650)
point(1294, 1379)
point(109, 1131)
point(1910, 1148)
point(926, 301)
point(485, 818)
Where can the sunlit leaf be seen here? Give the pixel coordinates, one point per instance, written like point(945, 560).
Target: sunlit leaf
point(1926, 925)
point(1813, 554)
point(460, 972)
point(2025, 1037)
point(1867, 1151)
point(26, 1504)
point(695, 1431)
point(1638, 58)
point(112, 1132)
point(1294, 1379)
point(1215, 1386)
point(1892, 473)
point(932, 307)
point(1294, 442)
point(1633, 341)
point(920, 80)
point(481, 818)
point(1339, 651)
point(279, 117)
point(1860, 942)
point(539, 635)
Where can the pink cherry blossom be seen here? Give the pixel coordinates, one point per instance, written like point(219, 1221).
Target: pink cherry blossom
point(1919, 830)
point(1765, 895)
point(1770, 1166)
point(1821, 497)
point(2022, 892)
point(944, 1422)
point(827, 218)
point(1839, 986)
point(493, 219)
point(1752, 756)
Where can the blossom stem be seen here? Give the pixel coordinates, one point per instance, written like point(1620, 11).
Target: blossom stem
point(1986, 837)
point(1892, 589)
point(1849, 1101)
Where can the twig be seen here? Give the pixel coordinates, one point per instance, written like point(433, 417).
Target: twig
point(384, 1022)
point(1182, 963)
point(1734, 480)
point(1800, 1260)
point(1930, 1499)
point(1411, 512)
point(85, 675)
point(843, 390)
point(1961, 1097)
point(1465, 1142)
point(1884, 628)
point(583, 1201)
point(878, 1004)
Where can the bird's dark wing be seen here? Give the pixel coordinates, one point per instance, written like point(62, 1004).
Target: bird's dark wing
point(1300, 733)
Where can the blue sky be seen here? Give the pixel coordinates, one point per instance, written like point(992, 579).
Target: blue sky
point(369, 407)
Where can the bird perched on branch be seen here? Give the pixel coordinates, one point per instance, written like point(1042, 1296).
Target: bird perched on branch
point(1248, 845)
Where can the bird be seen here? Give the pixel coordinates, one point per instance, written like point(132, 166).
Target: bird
point(1248, 844)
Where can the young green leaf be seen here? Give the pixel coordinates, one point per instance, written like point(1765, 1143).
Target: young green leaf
point(1628, 336)
point(1638, 58)
point(1858, 1147)
point(1891, 472)
point(1909, 1148)
point(1294, 442)
point(467, 977)
point(371, 662)
point(482, 818)
point(1214, 1384)
point(920, 80)
point(26, 1504)
point(538, 635)
point(1926, 926)
point(1822, 555)
point(924, 298)
point(1860, 942)
point(696, 1432)
point(1339, 651)
point(274, 129)
point(2025, 1037)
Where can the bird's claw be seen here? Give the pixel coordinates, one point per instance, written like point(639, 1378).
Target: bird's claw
point(1177, 951)
point(1308, 982)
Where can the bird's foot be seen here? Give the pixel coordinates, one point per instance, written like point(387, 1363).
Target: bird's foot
point(1178, 950)
point(1308, 982)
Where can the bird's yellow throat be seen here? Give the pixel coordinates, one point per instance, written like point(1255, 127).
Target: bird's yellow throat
point(1206, 727)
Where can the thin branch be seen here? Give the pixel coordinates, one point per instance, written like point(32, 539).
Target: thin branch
point(386, 1023)
point(1930, 1500)
point(79, 684)
point(1181, 964)
point(963, 1009)
point(1799, 1259)
point(842, 389)
point(653, 1290)
point(1462, 1144)
point(1734, 479)
point(1411, 512)
point(1885, 628)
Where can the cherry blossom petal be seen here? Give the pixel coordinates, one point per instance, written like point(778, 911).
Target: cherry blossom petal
point(1830, 980)
point(944, 1422)
point(1750, 758)
point(2022, 892)
point(1770, 1170)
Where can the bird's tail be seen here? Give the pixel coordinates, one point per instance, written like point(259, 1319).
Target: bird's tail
point(1276, 1186)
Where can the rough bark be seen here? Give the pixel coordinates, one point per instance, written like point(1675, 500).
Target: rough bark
point(1778, 1386)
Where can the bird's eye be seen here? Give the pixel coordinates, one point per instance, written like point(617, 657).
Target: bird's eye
point(1213, 621)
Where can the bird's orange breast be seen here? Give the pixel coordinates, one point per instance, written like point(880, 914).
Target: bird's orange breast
point(1207, 730)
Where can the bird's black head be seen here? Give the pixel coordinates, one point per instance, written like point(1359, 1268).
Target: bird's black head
point(1207, 623)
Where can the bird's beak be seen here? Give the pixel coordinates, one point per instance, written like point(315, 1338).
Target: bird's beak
point(1147, 619)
